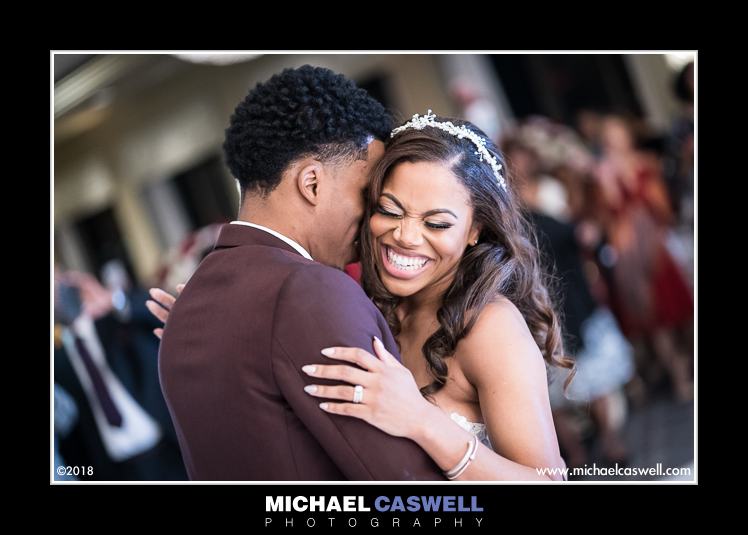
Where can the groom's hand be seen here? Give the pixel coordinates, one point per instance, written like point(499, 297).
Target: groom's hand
point(161, 305)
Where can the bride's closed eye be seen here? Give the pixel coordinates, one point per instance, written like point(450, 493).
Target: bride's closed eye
point(386, 212)
point(436, 226)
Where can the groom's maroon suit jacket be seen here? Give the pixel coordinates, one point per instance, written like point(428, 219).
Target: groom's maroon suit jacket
point(251, 316)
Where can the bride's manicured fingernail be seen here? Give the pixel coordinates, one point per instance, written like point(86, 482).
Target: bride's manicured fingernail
point(309, 369)
point(310, 389)
point(328, 351)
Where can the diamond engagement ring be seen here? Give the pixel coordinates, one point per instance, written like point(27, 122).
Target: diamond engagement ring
point(358, 394)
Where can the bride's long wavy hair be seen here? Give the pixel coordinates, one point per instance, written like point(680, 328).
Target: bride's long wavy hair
point(504, 262)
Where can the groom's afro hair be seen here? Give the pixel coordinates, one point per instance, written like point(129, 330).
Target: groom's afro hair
point(308, 111)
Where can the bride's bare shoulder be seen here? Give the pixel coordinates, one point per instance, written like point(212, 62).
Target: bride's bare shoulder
point(499, 340)
point(500, 320)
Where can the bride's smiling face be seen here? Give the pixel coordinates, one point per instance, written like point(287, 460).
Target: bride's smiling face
point(421, 226)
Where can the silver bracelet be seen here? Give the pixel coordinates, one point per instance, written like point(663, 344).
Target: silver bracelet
point(469, 456)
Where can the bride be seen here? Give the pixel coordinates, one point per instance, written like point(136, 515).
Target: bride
point(450, 262)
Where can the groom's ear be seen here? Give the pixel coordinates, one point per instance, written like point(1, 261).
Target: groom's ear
point(308, 178)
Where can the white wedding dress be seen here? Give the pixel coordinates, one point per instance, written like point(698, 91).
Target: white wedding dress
point(475, 428)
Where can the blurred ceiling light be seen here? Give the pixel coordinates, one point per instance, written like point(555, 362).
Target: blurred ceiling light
point(86, 116)
point(94, 75)
point(217, 59)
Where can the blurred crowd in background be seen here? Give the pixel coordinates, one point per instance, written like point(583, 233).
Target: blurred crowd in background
point(610, 193)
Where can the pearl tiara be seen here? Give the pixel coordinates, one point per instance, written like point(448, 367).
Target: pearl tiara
point(419, 122)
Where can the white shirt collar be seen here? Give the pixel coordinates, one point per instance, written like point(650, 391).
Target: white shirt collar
point(303, 252)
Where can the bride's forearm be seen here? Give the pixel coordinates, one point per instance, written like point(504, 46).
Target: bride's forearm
point(446, 443)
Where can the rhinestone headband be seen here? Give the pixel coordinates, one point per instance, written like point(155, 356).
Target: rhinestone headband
point(419, 122)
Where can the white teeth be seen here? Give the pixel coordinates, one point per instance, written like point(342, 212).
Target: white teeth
point(406, 263)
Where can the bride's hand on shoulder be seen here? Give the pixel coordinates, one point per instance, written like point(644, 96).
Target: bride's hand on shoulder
point(389, 397)
point(161, 305)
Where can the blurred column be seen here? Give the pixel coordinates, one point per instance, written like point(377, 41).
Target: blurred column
point(70, 249)
point(137, 231)
point(473, 83)
point(167, 213)
point(652, 79)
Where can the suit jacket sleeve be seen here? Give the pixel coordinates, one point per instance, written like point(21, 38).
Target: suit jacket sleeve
point(321, 307)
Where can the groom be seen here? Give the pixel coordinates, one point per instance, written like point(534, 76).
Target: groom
point(272, 294)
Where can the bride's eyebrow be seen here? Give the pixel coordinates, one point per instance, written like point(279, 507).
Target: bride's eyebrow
point(391, 197)
point(440, 211)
